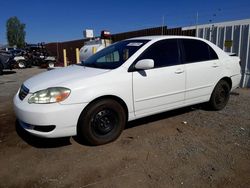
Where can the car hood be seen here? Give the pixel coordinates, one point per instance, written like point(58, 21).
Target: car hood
point(58, 77)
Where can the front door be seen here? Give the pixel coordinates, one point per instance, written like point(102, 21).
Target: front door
point(163, 87)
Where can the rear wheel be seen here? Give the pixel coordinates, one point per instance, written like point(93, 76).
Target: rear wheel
point(21, 64)
point(51, 64)
point(102, 122)
point(220, 95)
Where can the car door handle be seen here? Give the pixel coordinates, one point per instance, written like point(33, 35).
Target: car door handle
point(215, 65)
point(179, 71)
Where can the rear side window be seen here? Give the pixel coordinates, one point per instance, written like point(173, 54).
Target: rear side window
point(212, 53)
point(196, 50)
point(164, 53)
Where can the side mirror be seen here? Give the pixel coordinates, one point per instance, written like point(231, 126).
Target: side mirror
point(145, 64)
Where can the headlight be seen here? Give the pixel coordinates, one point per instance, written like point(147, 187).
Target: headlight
point(50, 95)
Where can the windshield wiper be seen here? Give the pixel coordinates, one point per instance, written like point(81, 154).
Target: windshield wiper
point(93, 65)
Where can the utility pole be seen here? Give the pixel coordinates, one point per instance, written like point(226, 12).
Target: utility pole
point(197, 19)
point(163, 19)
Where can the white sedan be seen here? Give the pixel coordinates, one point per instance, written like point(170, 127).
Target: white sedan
point(128, 80)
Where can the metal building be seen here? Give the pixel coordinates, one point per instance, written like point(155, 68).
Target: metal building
point(232, 36)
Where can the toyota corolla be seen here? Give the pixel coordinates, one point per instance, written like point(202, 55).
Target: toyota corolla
point(128, 80)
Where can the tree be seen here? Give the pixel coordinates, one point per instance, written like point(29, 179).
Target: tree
point(15, 32)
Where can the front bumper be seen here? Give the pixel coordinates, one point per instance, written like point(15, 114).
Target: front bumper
point(63, 118)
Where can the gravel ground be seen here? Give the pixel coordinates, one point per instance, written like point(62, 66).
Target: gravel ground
point(189, 147)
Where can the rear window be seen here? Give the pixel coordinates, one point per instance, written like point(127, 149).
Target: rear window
point(196, 50)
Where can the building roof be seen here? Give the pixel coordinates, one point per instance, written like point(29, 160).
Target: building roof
point(227, 23)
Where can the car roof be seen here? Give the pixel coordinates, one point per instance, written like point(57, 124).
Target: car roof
point(160, 37)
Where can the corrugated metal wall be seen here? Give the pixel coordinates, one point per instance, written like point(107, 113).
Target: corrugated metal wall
point(138, 33)
point(233, 36)
point(152, 31)
point(56, 49)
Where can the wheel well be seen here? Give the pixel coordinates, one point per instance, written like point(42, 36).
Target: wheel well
point(117, 99)
point(228, 80)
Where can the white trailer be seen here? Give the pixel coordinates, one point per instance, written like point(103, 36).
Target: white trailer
point(93, 46)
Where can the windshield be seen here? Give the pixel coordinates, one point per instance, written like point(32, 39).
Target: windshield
point(114, 55)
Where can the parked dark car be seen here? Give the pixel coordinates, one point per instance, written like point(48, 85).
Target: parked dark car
point(39, 56)
point(6, 61)
point(21, 59)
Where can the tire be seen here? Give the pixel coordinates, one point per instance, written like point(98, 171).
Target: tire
point(21, 64)
point(220, 95)
point(51, 64)
point(28, 64)
point(1, 69)
point(101, 122)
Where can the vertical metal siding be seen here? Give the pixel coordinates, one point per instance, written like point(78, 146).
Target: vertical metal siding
point(214, 35)
point(236, 39)
point(246, 80)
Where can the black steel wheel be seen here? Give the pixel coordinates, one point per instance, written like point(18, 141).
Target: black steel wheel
point(102, 122)
point(220, 95)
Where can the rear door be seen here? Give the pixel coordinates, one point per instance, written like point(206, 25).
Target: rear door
point(203, 70)
point(162, 87)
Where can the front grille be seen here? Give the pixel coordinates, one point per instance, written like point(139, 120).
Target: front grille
point(23, 92)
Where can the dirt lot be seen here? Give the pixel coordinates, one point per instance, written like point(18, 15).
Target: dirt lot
point(190, 147)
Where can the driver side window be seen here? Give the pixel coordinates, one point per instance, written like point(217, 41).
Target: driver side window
point(164, 53)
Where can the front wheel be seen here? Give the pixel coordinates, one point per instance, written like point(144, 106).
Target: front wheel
point(102, 122)
point(220, 95)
